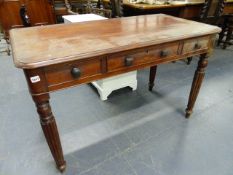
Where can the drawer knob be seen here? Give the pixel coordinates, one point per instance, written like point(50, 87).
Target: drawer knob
point(164, 53)
point(75, 72)
point(129, 61)
point(197, 46)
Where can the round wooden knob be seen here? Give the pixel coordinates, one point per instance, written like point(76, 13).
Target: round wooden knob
point(129, 61)
point(75, 72)
point(197, 46)
point(164, 53)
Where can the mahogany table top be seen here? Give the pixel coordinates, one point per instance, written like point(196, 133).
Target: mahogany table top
point(46, 45)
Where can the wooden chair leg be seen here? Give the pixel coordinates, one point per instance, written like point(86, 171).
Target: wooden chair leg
point(228, 37)
point(222, 33)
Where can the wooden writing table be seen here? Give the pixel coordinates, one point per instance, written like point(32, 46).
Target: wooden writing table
point(60, 56)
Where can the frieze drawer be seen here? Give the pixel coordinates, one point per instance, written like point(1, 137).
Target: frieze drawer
point(141, 56)
point(196, 44)
point(73, 71)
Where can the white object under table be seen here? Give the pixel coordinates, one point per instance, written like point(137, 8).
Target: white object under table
point(107, 85)
point(82, 18)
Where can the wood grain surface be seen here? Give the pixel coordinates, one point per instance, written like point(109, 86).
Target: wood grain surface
point(46, 45)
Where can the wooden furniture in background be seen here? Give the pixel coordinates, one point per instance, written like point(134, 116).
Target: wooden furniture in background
point(228, 9)
point(211, 13)
point(187, 10)
point(69, 7)
point(60, 58)
point(117, 8)
point(226, 34)
point(4, 47)
point(225, 37)
point(102, 12)
point(38, 11)
point(183, 9)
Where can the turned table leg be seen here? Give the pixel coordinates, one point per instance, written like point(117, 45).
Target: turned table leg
point(153, 70)
point(197, 81)
point(49, 127)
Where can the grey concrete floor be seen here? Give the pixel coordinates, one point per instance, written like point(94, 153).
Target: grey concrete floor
point(132, 133)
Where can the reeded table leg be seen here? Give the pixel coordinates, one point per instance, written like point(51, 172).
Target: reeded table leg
point(153, 70)
point(49, 127)
point(197, 80)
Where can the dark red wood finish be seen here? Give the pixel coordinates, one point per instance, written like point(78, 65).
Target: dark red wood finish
point(48, 69)
point(40, 12)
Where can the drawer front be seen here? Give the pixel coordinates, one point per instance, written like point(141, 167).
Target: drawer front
point(141, 56)
point(194, 45)
point(73, 71)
